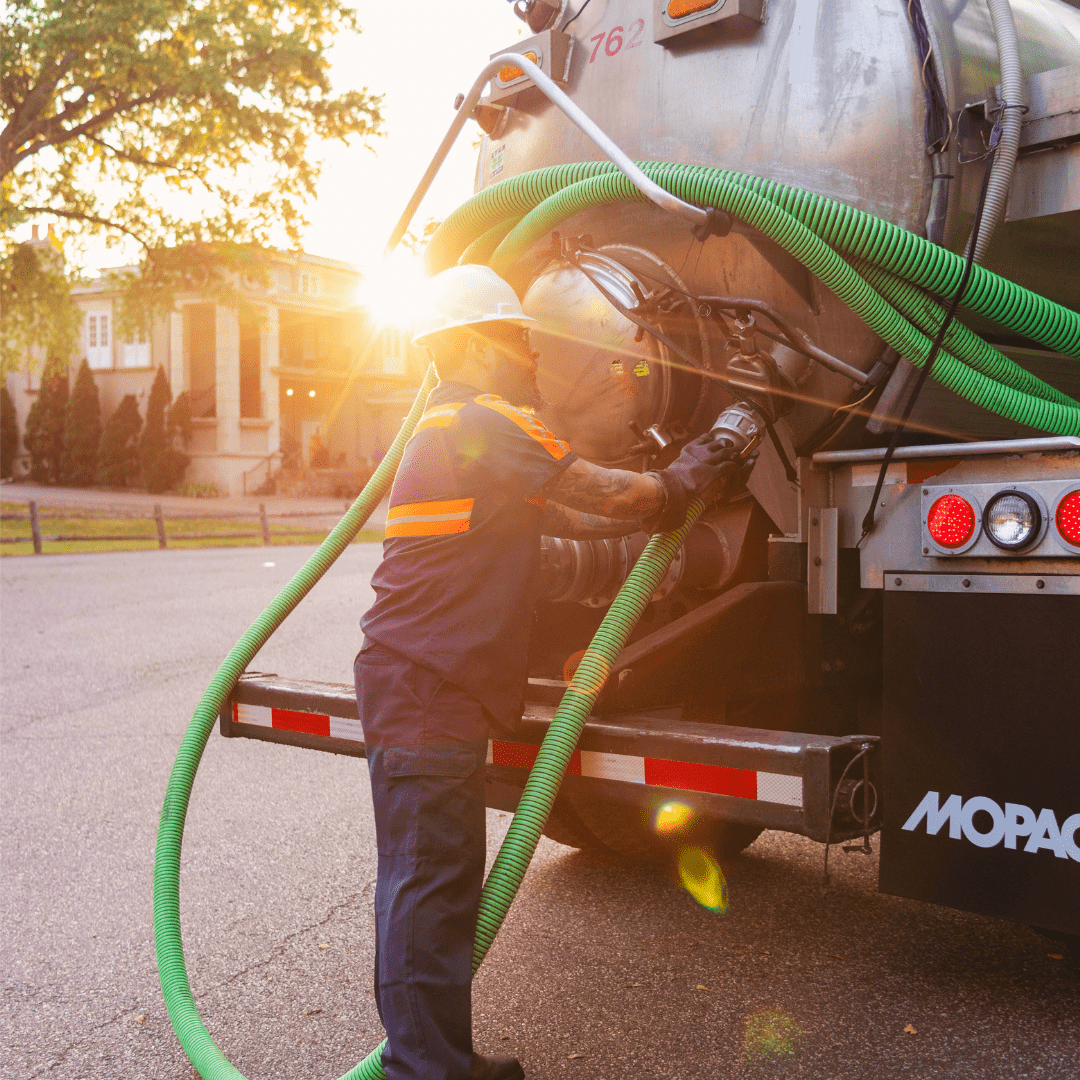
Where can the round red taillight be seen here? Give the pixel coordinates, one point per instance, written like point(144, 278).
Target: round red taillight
point(951, 521)
point(1067, 518)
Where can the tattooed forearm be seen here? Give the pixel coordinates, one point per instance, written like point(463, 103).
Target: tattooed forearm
point(574, 525)
point(614, 493)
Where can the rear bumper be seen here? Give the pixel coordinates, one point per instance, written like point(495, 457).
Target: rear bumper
point(773, 779)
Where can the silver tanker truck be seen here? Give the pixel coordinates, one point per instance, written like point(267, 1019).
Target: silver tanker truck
point(866, 642)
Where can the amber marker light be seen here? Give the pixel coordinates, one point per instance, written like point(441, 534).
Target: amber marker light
point(680, 9)
point(509, 73)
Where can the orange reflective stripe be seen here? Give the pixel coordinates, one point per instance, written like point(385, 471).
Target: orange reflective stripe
point(529, 424)
point(538, 500)
point(429, 518)
point(439, 417)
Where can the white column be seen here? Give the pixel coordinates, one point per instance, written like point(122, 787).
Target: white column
point(227, 354)
point(269, 353)
point(178, 381)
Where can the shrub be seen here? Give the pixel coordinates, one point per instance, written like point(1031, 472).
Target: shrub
point(9, 433)
point(179, 423)
point(154, 439)
point(199, 489)
point(82, 430)
point(44, 436)
point(118, 457)
point(166, 471)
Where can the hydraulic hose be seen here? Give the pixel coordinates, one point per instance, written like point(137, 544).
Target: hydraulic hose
point(1012, 109)
point(534, 806)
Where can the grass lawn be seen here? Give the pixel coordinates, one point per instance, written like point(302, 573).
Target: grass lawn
point(141, 533)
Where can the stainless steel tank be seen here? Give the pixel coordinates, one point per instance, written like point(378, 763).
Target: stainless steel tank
point(823, 94)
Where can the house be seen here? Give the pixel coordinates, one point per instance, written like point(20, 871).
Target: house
point(291, 389)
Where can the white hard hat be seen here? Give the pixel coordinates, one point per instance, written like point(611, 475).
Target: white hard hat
point(464, 296)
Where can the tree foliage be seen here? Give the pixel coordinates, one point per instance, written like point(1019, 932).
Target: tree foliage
point(35, 306)
point(9, 433)
point(180, 125)
point(118, 454)
point(45, 422)
point(82, 430)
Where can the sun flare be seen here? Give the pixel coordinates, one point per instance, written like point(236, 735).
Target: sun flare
point(388, 291)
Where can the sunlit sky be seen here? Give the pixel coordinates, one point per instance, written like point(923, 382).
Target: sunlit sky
point(419, 56)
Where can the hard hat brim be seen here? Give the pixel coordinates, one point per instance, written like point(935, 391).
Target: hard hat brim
point(518, 320)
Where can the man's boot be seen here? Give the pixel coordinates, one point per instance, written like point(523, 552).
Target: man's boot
point(496, 1067)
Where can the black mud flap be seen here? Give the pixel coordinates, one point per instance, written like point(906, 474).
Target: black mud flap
point(981, 745)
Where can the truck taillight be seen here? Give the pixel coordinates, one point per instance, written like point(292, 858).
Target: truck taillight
point(951, 522)
point(1067, 518)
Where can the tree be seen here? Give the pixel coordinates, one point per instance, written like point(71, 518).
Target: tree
point(154, 438)
point(181, 126)
point(35, 305)
point(82, 430)
point(162, 464)
point(9, 433)
point(44, 436)
point(118, 454)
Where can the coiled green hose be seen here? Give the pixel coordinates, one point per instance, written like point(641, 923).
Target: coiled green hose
point(535, 804)
point(822, 260)
point(843, 227)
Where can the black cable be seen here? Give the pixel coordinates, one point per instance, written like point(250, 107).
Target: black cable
point(937, 122)
point(969, 262)
point(573, 18)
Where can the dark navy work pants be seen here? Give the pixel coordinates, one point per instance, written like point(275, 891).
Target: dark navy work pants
point(426, 744)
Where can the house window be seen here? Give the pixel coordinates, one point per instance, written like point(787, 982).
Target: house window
point(136, 352)
point(98, 351)
point(310, 284)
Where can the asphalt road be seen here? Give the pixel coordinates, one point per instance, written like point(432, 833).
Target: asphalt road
point(603, 970)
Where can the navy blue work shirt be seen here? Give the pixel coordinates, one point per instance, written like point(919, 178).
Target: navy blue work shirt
point(457, 585)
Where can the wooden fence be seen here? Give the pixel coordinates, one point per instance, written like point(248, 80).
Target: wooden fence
point(158, 518)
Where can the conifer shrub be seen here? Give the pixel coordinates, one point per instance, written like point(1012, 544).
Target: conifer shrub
point(9, 433)
point(82, 430)
point(167, 470)
point(118, 453)
point(45, 424)
point(179, 422)
point(154, 438)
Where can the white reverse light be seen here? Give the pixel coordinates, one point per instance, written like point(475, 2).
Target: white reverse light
point(1012, 519)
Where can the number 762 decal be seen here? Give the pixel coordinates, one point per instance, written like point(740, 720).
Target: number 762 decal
point(612, 40)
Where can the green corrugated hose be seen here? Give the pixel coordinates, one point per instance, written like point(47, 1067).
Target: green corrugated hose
point(536, 800)
point(713, 188)
point(854, 232)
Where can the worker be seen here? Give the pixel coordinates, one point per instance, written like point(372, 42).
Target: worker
point(443, 662)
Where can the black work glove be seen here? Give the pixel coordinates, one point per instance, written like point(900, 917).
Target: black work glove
point(707, 468)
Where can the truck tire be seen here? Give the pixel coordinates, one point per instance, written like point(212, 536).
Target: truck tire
point(599, 824)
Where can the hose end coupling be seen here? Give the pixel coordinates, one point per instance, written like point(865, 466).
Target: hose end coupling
point(741, 426)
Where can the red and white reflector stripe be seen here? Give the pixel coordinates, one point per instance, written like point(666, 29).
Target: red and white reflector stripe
point(659, 772)
point(768, 787)
point(337, 727)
